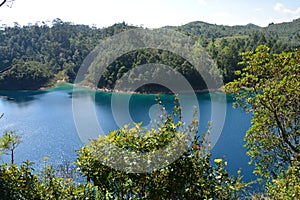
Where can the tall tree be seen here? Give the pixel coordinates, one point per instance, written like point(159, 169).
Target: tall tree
point(269, 87)
point(9, 142)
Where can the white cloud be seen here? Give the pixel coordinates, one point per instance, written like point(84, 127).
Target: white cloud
point(258, 9)
point(279, 7)
point(202, 2)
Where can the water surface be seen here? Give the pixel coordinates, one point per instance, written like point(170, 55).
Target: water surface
point(45, 121)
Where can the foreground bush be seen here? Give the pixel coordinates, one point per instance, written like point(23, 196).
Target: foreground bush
point(287, 186)
point(191, 176)
point(20, 182)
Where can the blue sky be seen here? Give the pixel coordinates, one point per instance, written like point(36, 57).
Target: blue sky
point(151, 13)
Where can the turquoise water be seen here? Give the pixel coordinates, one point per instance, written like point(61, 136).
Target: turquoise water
point(45, 121)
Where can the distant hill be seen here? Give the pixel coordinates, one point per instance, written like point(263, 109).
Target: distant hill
point(207, 30)
point(40, 55)
point(224, 43)
point(287, 30)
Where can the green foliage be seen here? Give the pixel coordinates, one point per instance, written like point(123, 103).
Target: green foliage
point(287, 185)
point(18, 182)
point(226, 51)
point(39, 55)
point(52, 186)
point(288, 32)
point(26, 75)
point(269, 87)
point(191, 176)
point(225, 43)
point(9, 142)
point(22, 183)
point(127, 62)
point(32, 56)
point(206, 30)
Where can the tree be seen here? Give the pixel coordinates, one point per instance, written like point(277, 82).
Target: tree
point(22, 182)
point(287, 185)
point(269, 87)
point(191, 176)
point(9, 142)
point(26, 75)
point(18, 182)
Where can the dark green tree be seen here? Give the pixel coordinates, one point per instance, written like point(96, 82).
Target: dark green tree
point(192, 176)
point(18, 182)
point(9, 142)
point(269, 87)
point(287, 185)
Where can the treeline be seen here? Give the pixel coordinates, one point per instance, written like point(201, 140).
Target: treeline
point(174, 159)
point(114, 72)
point(287, 32)
point(39, 55)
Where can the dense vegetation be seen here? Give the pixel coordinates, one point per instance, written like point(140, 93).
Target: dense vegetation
point(39, 55)
point(268, 87)
point(272, 95)
point(225, 43)
point(192, 175)
point(266, 83)
point(34, 56)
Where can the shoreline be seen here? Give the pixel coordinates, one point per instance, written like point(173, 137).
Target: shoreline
point(149, 93)
point(107, 90)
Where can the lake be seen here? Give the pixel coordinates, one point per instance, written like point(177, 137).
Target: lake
point(45, 121)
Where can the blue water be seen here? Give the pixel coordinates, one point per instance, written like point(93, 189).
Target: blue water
point(45, 121)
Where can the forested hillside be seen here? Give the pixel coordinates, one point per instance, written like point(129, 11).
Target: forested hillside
point(225, 43)
point(35, 56)
point(40, 55)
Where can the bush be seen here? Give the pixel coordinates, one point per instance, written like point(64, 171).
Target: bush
point(287, 185)
point(18, 182)
point(191, 176)
point(22, 183)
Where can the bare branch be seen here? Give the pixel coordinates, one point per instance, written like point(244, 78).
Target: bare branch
point(6, 1)
point(3, 2)
point(5, 69)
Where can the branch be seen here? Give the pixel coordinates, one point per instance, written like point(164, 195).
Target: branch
point(283, 133)
point(3, 70)
point(4, 1)
point(280, 126)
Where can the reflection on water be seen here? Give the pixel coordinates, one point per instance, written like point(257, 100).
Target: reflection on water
point(21, 98)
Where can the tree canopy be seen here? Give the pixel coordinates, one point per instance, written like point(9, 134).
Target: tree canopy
point(192, 176)
point(60, 48)
point(269, 87)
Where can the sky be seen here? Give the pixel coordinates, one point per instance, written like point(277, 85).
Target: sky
point(150, 13)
